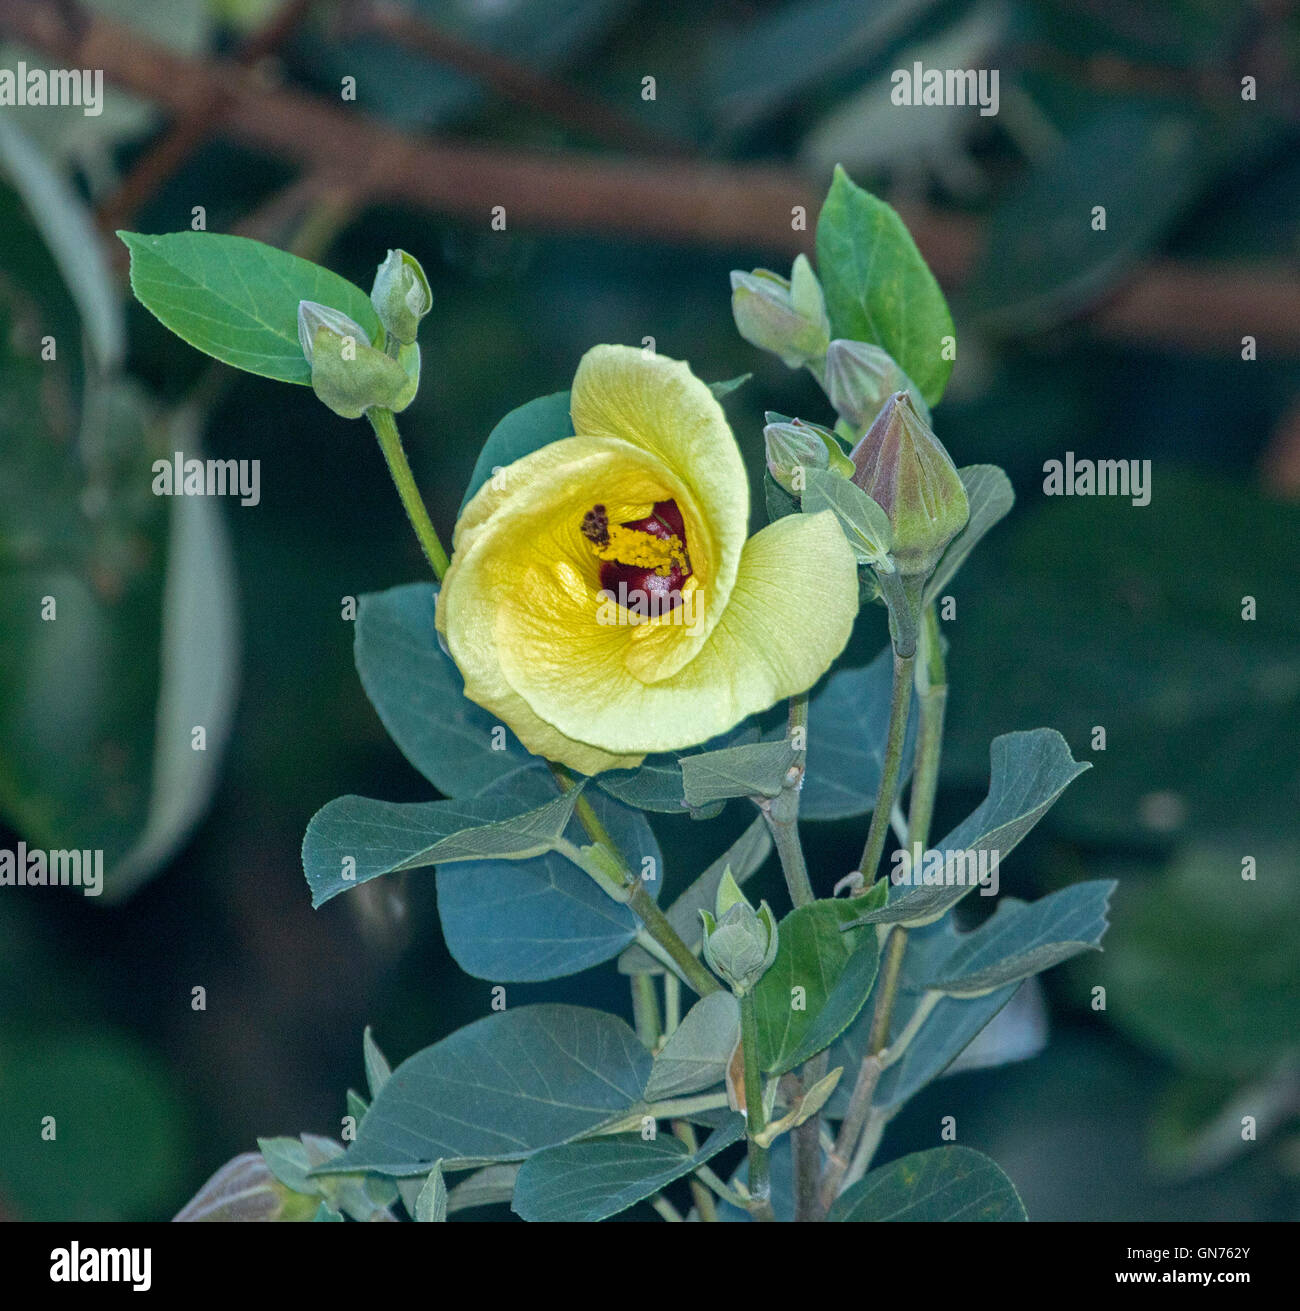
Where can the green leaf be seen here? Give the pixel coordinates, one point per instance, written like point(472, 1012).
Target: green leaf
point(699, 1050)
point(542, 918)
point(500, 1089)
point(353, 839)
point(523, 431)
point(723, 389)
point(325, 1212)
point(865, 524)
point(237, 299)
point(377, 1067)
point(878, 287)
point(431, 1204)
point(744, 857)
point(990, 496)
point(848, 721)
point(1023, 938)
point(418, 692)
point(69, 233)
point(1029, 770)
point(792, 997)
point(593, 1180)
point(945, 1183)
point(144, 585)
point(755, 770)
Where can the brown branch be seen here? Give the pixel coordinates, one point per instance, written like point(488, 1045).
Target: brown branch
point(583, 114)
point(744, 207)
point(198, 122)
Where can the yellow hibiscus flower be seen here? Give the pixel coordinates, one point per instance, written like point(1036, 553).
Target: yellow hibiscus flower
point(603, 600)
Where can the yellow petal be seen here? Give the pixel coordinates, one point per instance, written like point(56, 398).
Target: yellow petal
point(660, 406)
point(787, 618)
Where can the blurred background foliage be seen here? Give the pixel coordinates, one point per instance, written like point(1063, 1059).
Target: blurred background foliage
point(1076, 613)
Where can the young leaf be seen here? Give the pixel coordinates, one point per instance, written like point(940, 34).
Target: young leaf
point(791, 997)
point(878, 287)
point(756, 770)
point(945, 1183)
point(865, 524)
point(595, 1179)
point(657, 784)
point(431, 1204)
point(377, 1067)
point(500, 1089)
point(237, 299)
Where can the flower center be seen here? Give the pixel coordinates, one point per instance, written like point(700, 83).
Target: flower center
point(643, 561)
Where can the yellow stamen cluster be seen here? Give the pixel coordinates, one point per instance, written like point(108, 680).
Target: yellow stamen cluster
point(642, 550)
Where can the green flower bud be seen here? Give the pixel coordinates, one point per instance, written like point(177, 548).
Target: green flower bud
point(904, 468)
point(791, 448)
point(739, 942)
point(860, 378)
point(401, 295)
point(785, 317)
point(347, 373)
point(243, 1190)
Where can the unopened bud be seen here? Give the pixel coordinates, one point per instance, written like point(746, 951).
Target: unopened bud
point(740, 943)
point(401, 295)
point(860, 378)
point(347, 373)
point(785, 317)
point(904, 468)
point(244, 1190)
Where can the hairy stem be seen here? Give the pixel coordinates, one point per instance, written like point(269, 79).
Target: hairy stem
point(873, 1064)
point(641, 902)
point(390, 442)
point(899, 704)
point(760, 1184)
point(932, 702)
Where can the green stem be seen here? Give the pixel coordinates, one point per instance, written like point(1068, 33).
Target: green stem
point(759, 1183)
point(891, 768)
point(932, 701)
point(657, 926)
point(782, 812)
point(641, 902)
point(806, 1146)
point(390, 442)
point(700, 1195)
point(645, 1010)
point(873, 1064)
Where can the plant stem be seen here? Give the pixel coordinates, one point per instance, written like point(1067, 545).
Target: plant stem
point(641, 902)
point(390, 442)
point(782, 811)
point(759, 1183)
point(806, 1146)
point(873, 1064)
point(685, 1133)
point(645, 1010)
point(657, 926)
point(932, 701)
point(891, 769)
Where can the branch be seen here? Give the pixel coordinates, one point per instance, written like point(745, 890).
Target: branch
point(744, 207)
